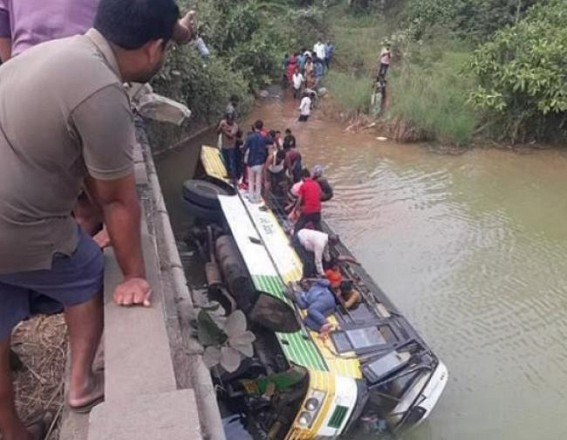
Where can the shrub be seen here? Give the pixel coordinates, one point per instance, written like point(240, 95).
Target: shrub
point(204, 87)
point(522, 73)
point(433, 97)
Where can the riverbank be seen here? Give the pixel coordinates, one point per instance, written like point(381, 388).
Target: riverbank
point(447, 84)
point(475, 263)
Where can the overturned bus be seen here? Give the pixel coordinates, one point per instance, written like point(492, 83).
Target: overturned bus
point(374, 367)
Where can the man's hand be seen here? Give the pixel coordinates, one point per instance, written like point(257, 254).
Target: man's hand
point(102, 238)
point(186, 28)
point(133, 292)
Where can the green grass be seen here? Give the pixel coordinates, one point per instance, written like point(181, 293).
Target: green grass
point(428, 83)
point(359, 40)
point(433, 97)
point(352, 93)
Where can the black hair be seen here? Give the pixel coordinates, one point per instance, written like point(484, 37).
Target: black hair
point(346, 286)
point(280, 155)
point(287, 131)
point(277, 131)
point(234, 99)
point(258, 125)
point(272, 133)
point(129, 24)
point(305, 173)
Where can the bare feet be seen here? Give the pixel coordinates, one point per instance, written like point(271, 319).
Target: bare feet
point(82, 401)
point(325, 331)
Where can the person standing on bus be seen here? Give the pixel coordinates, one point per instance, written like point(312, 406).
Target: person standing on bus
point(228, 130)
point(255, 155)
point(309, 199)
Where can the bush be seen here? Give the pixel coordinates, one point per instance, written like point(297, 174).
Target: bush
point(247, 41)
point(433, 97)
point(473, 20)
point(522, 73)
point(204, 87)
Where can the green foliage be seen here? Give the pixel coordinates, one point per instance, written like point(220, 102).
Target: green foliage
point(358, 40)
point(352, 93)
point(204, 87)
point(474, 20)
point(248, 40)
point(431, 94)
point(523, 75)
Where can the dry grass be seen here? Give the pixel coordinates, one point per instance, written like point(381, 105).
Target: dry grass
point(41, 344)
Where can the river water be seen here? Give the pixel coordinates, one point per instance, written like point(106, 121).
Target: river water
point(471, 248)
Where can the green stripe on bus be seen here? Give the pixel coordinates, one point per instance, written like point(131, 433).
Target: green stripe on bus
point(297, 348)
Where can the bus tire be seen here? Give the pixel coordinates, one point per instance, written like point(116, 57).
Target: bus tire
point(203, 193)
point(203, 212)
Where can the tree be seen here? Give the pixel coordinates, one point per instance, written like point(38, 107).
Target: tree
point(523, 76)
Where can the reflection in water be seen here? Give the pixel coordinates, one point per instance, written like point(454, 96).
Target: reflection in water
point(471, 248)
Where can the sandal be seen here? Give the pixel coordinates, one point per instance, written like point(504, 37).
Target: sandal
point(40, 426)
point(99, 397)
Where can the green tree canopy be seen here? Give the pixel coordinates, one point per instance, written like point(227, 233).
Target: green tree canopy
point(523, 75)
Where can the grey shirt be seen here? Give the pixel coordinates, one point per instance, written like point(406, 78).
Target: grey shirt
point(63, 115)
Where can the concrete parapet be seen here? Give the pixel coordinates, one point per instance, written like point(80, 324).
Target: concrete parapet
point(152, 417)
point(156, 384)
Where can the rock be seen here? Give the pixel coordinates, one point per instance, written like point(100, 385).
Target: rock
point(381, 138)
point(160, 108)
point(264, 94)
point(322, 91)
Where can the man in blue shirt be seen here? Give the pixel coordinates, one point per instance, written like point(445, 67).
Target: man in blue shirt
point(319, 71)
point(330, 50)
point(255, 155)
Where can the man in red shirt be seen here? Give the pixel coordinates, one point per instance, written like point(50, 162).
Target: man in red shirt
point(310, 197)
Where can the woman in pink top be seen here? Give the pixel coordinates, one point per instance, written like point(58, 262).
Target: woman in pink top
point(24, 24)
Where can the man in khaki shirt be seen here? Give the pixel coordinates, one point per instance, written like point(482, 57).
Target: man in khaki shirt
point(65, 122)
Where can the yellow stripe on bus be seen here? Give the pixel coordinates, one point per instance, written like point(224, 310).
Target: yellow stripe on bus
point(322, 381)
point(212, 162)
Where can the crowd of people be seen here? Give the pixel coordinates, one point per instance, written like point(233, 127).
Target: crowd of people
point(304, 71)
point(267, 166)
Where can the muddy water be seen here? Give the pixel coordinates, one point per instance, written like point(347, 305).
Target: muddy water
point(472, 248)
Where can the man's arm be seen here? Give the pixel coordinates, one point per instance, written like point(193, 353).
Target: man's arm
point(348, 259)
point(104, 127)
point(5, 49)
point(318, 251)
point(5, 32)
point(118, 200)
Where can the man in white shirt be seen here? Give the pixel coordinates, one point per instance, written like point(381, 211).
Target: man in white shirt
point(298, 81)
point(319, 49)
point(305, 108)
point(385, 57)
point(313, 248)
